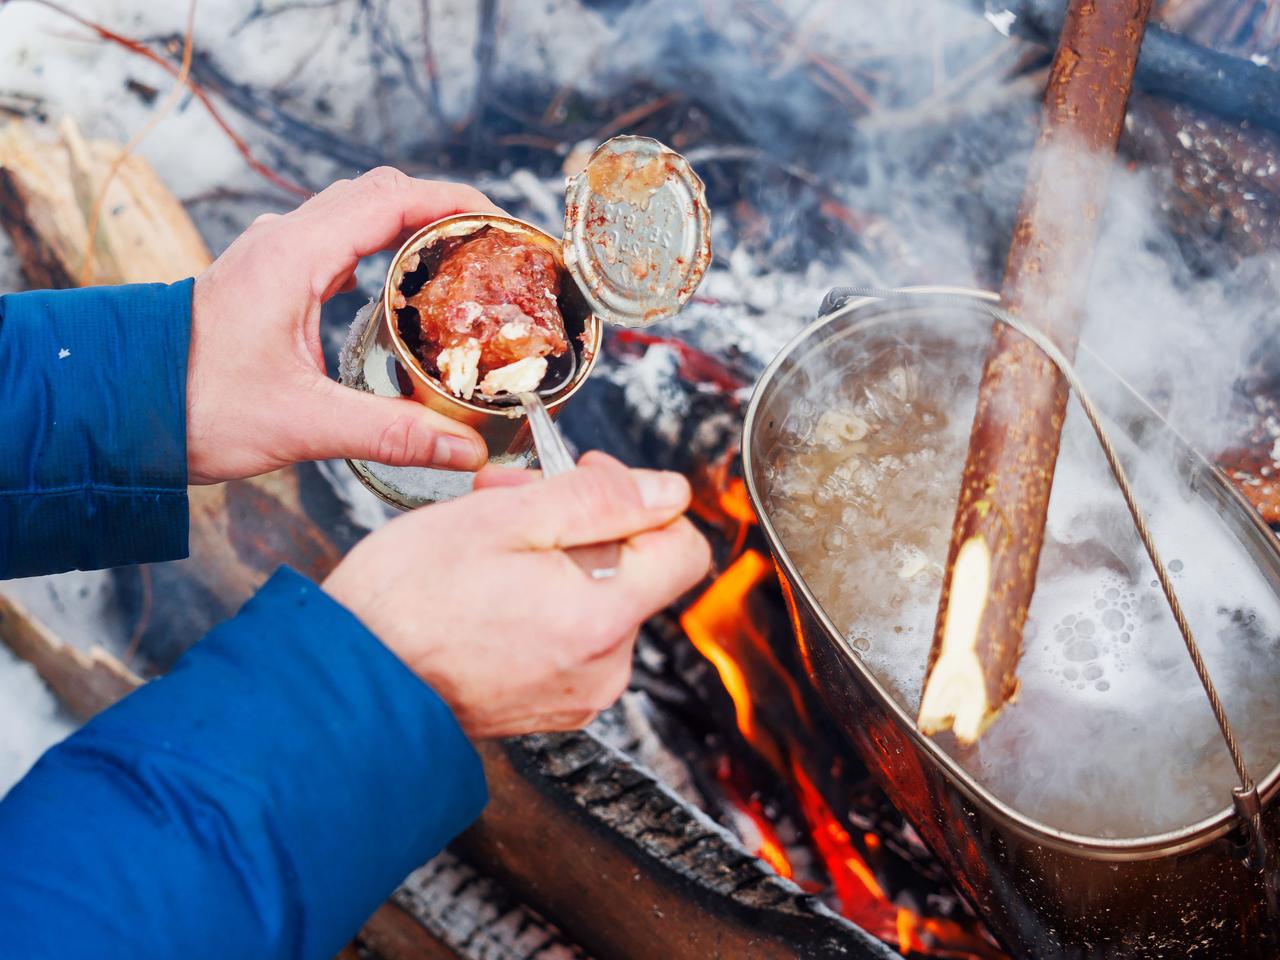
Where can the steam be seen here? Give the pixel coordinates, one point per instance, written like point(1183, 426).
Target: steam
point(1182, 332)
point(1111, 734)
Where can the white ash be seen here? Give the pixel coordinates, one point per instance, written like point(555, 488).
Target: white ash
point(651, 388)
point(33, 719)
point(472, 913)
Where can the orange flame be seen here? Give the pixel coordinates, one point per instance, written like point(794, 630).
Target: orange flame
point(907, 939)
point(771, 853)
point(718, 613)
point(856, 886)
point(721, 627)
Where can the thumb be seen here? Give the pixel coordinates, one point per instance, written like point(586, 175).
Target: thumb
point(598, 502)
point(350, 424)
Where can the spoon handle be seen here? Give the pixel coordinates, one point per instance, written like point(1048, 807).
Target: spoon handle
point(598, 560)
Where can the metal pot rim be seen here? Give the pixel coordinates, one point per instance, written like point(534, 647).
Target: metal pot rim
point(1187, 838)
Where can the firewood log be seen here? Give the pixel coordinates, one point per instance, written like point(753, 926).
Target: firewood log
point(1013, 446)
point(47, 190)
point(84, 682)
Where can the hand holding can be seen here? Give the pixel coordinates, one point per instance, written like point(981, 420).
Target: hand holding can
point(479, 308)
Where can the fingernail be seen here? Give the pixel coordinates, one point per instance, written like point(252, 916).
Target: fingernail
point(661, 490)
point(457, 452)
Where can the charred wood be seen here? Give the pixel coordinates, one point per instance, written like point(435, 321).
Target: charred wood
point(683, 889)
point(1172, 66)
point(393, 934)
point(1220, 182)
point(468, 913)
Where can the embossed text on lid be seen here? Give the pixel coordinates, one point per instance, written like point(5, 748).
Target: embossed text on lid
point(637, 231)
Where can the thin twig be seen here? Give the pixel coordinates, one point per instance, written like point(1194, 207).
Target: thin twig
point(259, 198)
point(530, 140)
point(260, 11)
point(298, 134)
point(630, 118)
point(429, 63)
point(162, 111)
point(20, 104)
point(382, 37)
point(843, 80)
point(144, 616)
point(486, 44)
point(142, 50)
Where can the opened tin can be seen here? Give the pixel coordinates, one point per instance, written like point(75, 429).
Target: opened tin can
point(636, 246)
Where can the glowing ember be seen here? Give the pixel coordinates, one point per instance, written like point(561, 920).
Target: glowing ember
point(856, 886)
point(907, 939)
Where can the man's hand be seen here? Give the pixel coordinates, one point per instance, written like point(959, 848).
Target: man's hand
point(479, 599)
point(257, 394)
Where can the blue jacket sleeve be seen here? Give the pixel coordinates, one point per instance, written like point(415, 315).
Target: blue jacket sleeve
point(93, 456)
point(259, 801)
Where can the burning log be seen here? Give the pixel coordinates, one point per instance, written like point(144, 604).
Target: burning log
point(1221, 191)
point(683, 890)
point(1013, 447)
point(1252, 463)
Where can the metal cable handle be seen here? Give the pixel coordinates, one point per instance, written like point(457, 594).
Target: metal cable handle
point(1245, 799)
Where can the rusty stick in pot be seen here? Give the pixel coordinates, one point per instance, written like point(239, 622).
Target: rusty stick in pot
point(1013, 446)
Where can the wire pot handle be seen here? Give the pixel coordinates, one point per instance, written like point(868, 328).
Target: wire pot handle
point(1244, 798)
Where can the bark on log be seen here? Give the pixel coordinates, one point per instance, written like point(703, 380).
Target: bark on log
point(631, 872)
point(1013, 446)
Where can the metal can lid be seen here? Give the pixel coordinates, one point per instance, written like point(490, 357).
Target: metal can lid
point(637, 235)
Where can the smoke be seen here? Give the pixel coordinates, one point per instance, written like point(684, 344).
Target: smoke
point(1182, 332)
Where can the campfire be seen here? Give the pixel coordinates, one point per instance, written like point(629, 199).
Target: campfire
point(868, 866)
point(876, 881)
point(719, 803)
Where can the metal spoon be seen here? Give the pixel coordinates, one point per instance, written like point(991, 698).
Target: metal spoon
point(598, 560)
